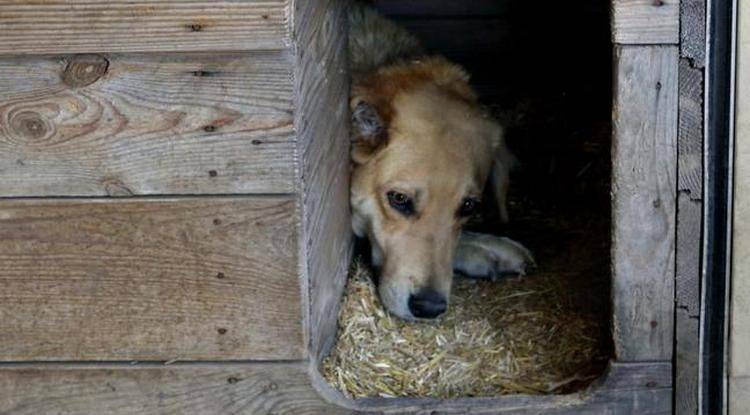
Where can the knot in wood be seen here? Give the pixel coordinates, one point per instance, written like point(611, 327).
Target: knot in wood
point(30, 125)
point(84, 70)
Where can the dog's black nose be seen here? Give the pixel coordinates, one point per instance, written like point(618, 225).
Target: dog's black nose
point(427, 304)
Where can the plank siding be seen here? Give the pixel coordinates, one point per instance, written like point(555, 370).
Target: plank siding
point(644, 196)
point(86, 26)
point(149, 279)
point(142, 124)
point(646, 21)
point(323, 131)
point(252, 389)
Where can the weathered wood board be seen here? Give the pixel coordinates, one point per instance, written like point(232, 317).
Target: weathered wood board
point(693, 31)
point(284, 388)
point(690, 131)
point(646, 21)
point(252, 389)
point(626, 388)
point(323, 131)
point(59, 26)
point(689, 205)
point(149, 279)
point(644, 160)
point(140, 124)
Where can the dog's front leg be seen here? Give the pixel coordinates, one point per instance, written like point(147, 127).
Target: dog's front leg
point(487, 256)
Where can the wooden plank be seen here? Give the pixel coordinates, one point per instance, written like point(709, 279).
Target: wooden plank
point(323, 131)
point(687, 346)
point(646, 21)
point(627, 388)
point(255, 388)
point(693, 31)
point(143, 124)
point(688, 261)
point(149, 279)
point(690, 138)
point(285, 388)
point(644, 187)
point(688, 243)
point(84, 26)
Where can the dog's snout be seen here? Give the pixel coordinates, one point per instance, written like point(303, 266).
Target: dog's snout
point(427, 304)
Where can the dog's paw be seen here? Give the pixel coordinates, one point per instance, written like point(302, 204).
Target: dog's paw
point(487, 256)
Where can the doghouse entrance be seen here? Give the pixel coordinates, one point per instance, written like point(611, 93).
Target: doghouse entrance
point(546, 75)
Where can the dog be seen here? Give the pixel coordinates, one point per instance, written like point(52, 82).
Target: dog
point(423, 150)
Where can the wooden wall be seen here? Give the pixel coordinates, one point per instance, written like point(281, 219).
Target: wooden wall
point(644, 183)
point(165, 190)
point(689, 203)
point(173, 206)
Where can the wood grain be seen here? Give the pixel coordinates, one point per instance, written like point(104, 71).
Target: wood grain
point(690, 130)
point(686, 348)
point(141, 124)
point(644, 195)
point(323, 131)
point(284, 388)
point(149, 279)
point(646, 21)
point(626, 388)
point(693, 31)
point(58, 26)
point(689, 205)
point(253, 389)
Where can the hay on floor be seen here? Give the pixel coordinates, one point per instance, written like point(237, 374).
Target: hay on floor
point(503, 337)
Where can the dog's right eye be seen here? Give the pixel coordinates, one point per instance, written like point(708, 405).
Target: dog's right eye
point(400, 202)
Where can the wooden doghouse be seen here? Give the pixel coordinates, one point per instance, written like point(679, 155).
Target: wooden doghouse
point(174, 231)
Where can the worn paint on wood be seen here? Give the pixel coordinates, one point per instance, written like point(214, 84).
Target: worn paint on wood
point(323, 131)
point(253, 389)
point(149, 279)
point(644, 193)
point(140, 124)
point(646, 21)
point(690, 135)
point(59, 26)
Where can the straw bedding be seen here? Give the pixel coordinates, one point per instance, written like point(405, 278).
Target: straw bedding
point(548, 332)
point(511, 336)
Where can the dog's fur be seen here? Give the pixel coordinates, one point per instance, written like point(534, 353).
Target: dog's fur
point(418, 130)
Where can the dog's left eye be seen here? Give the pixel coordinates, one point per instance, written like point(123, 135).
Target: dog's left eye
point(468, 207)
point(400, 202)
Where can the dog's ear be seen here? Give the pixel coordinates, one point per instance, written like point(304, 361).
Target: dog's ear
point(502, 163)
point(369, 130)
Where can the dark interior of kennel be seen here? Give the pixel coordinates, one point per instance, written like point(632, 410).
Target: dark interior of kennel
point(545, 70)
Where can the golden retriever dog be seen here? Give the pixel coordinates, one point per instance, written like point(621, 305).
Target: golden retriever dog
point(423, 150)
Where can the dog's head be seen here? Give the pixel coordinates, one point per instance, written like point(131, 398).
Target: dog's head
point(422, 151)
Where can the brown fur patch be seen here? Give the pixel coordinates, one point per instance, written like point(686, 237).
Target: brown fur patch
point(381, 87)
